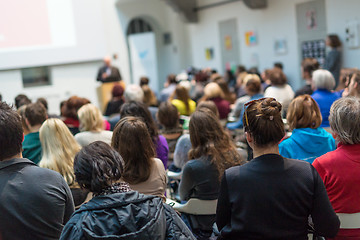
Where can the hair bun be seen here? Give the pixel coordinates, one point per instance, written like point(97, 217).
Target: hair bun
point(270, 108)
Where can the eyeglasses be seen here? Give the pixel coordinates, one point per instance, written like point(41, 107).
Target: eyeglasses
point(250, 103)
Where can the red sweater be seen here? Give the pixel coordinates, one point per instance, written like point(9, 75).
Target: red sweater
point(340, 171)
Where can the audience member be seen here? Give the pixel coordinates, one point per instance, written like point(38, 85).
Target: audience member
point(212, 152)
point(181, 100)
point(353, 88)
point(35, 203)
point(145, 173)
point(134, 93)
point(279, 65)
point(213, 92)
point(168, 117)
point(333, 57)
point(137, 109)
point(116, 211)
point(322, 84)
point(21, 100)
point(35, 115)
point(340, 169)
point(279, 89)
point(265, 78)
point(21, 112)
point(114, 105)
point(307, 141)
point(169, 88)
point(91, 126)
point(229, 96)
point(240, 75)
point(271, 197)
point(0, 97)
point(253, 90)
point(230, 80)
point(308, 66)
point(58, 151)
point(72, 105)
point(201, 78)
point(149, 96)
point(144, 81)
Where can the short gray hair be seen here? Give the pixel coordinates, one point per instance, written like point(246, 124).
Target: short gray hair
point(323, 79)
point(134, 93)
point(345, 119)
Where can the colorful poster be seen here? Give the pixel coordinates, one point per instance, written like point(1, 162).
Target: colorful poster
point(228, 42)
point(250, 38)
point(209, 53)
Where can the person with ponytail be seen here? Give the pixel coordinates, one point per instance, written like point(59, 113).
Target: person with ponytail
point(272, 197)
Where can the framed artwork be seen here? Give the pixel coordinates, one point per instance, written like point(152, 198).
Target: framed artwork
point(209, 53)
point(250, 38)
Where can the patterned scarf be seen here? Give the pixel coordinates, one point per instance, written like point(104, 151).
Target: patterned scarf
point(119, 187)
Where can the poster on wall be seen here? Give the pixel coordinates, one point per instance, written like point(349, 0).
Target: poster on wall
point(228, 43)
point(250, 38)
point(209, 53)
point(280, 46)
point(314, 49)
point(311, 21)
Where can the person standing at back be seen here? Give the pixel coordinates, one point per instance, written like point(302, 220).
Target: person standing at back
point(35, 203)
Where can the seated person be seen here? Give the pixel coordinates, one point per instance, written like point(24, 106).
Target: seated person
point(212, 152)
point(145, 173)
point(307, 141)
point(35, 203)
point(308, 66)
point(168, 117)
point(59, 148)
point(114, 105)
point(116, 211)
point(91, 126)
point(322, 84)
point(340, 169)
point(35, 115)
point(182, 101)
point(271, 197)
point(70, 117)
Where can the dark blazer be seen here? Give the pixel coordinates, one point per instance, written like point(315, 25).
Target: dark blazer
point(35, 203)
point(271, 197)
point(114, 76)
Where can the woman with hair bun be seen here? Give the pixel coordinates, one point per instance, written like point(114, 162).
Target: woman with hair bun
point(308, 140)
point(272, 197)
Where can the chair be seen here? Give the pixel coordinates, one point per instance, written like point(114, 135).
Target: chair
point(349, 220)
point(173, 184)
point(174, 175)
point(195, 206)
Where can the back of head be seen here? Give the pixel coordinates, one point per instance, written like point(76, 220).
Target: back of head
point(209, 105)
point(262, 119)
point(21, 100)
point(117, 91)
point(323, 79)
point(133, 93)
point(309, 65)
point(345, 119)
point(72, 105)
point(35, 113)
point(132, 140)
point(11, 132)
point(43, 102)
point(90, 118)
point(334, 41)
point(277, 77)
point(58, 148)
point(144, 81)
point(213, 90)
point(278, 65)
point(168, 115)
point(208, 138)
point(149, 96)
point(171, 79)
point(253, 84)
point(303, 112)
point(97, 166)
point(138, 109)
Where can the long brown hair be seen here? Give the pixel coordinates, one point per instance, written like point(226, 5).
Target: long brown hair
point(182, 94)
point(132, 140)
point(209, 138)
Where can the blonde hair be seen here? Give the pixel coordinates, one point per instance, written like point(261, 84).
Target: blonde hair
point(59, 148)
point(90, 118)
point(213, 90)
point(249, 77)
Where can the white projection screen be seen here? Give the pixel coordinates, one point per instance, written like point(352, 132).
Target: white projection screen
point(50, 32)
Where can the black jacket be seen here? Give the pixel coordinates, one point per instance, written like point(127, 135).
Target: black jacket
point(127, 216)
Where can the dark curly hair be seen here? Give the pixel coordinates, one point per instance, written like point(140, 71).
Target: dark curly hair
point(97, 166)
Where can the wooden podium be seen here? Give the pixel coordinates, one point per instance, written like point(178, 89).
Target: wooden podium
point(104, 93)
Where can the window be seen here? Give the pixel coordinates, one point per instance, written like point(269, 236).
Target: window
point(37, 76)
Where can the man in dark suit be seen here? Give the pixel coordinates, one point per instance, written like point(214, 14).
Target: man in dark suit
point(108, 73)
